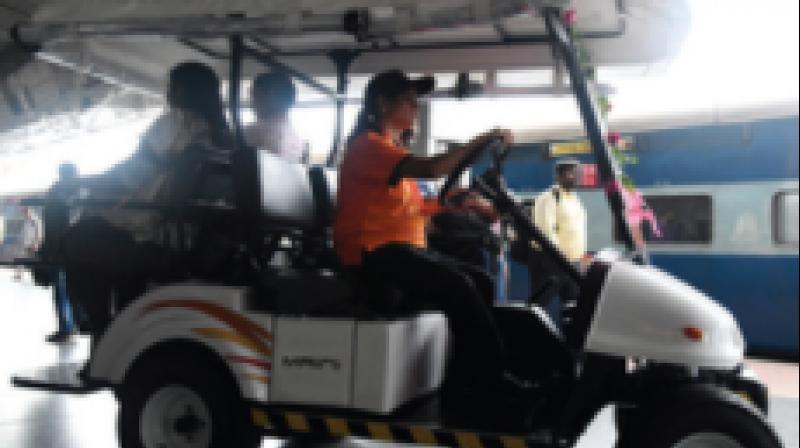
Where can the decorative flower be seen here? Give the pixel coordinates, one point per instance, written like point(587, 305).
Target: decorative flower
point(570, 17)
point(636, 209)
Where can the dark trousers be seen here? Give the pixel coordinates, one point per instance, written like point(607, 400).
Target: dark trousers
point(464, 293)
point(63, 307)
point(102, 262)
point(562, 290)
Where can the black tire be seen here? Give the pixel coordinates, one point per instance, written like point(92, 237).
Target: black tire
point(222, 409)
point(698, 411)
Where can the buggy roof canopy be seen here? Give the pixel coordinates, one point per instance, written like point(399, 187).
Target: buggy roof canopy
point(131, 44)
point(143, 38)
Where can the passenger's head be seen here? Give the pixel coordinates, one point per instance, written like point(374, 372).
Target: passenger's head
point(273, 94)
point(567, 174)
point(390, 102)
point(195, 87)
point(67, 171)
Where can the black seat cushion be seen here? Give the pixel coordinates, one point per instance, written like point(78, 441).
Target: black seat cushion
point(323, 293)
point(304, 292)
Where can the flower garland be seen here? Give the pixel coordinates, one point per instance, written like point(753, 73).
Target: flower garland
point(636, 208)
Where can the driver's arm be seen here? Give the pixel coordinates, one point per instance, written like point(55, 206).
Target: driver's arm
point(442, 165)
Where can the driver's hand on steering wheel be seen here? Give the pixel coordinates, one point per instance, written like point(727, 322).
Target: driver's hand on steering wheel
point(497, 133)
point(463, 199)
point(481, 206)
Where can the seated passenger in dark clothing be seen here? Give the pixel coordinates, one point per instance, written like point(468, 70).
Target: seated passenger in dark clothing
point(194, 119)
point(119, 248)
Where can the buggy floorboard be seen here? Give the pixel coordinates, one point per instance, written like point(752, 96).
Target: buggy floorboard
point(61, 377)
point(425, 422)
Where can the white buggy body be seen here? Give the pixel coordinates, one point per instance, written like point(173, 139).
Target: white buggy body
point(644, 312)
point(367, 365)
point(380, 365)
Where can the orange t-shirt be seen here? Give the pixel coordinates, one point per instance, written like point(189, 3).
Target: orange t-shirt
point(370, 212)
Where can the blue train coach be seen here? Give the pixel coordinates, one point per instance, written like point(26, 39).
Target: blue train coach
point(726, 198)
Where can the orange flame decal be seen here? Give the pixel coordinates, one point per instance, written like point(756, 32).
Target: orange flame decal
point(248, 329)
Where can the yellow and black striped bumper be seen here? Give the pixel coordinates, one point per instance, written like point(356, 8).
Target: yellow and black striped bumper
point(288, 423)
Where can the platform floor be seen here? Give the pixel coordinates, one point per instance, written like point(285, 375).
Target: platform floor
point(33, 419)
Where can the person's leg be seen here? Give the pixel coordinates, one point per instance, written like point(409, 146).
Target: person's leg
point(66, 326)
point(426, 278)
point(568, 292)
point(95, 254)
point(546, 285)
point(542, 287)
point(553, 301)
point(66, 323)
point(501, 277)
point(483, 280)
point(533, 278)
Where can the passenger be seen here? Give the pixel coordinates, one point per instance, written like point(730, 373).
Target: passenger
point(273, 95)
point(120, 248)
point(56, 222)
point(379, 228)
point(560, 215)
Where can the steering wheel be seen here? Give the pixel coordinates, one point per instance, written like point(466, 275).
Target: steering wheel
point(499, 152)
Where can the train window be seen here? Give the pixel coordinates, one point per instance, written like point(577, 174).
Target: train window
point(682, 219)
point(13, 230)
point(785, 214)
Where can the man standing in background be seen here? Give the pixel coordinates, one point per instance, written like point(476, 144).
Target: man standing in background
point(560, 215)
point(57, 219)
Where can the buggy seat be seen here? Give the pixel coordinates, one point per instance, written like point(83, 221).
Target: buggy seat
point(287, 209)
point(289, 201)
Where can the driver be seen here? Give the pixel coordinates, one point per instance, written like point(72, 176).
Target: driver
point(381, 219)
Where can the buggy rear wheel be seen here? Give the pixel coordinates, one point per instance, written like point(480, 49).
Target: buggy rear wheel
point(183, 401)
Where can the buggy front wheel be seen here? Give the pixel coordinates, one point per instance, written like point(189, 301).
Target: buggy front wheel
point(716, 418)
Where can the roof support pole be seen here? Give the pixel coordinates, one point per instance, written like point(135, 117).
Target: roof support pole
point(234, 88)
point(608, 168)
point(342, 59)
